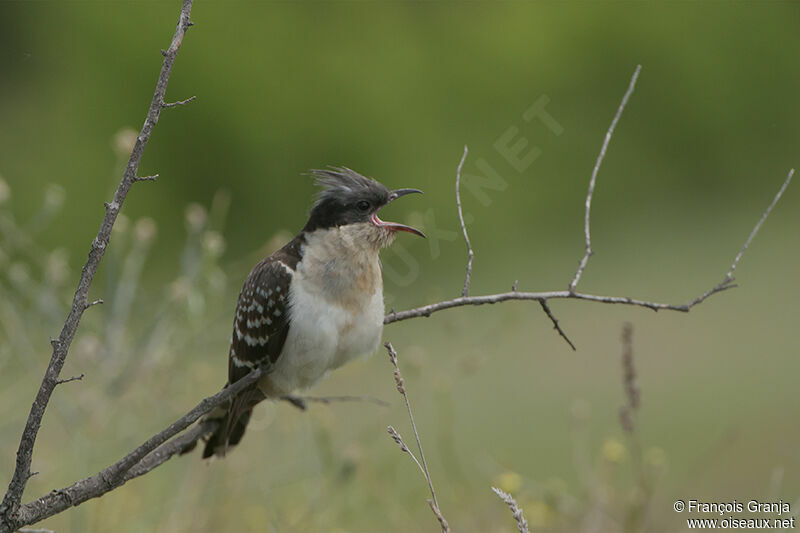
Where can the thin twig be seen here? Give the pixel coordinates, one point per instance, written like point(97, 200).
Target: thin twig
point(516, 511)
point(301, 401)
point(593, 180)
point(73, 378)
point(725, 284)
point(764, 216)
point(556, 326)
point(398, 378)
point(470, 253)
point(93, 303)
point(728, 281)
point(10, 518)
point(180, 102)
point(154, 177)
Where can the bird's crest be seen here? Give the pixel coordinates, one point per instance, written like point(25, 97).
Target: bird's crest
point(341, 182)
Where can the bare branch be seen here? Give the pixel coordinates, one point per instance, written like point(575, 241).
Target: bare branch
point(399, 382)
point(728, 281)
point(428, 310)
point(729, 275)
point(154, 177)
point(152, 453)
point(68, 380)
point(144, 458)
point(571, 293)
point(180, 102)
point(725, 284)
point(470, 253)
point(593, 181)
point(516, 511)
point(9, 508)
point(556, 326)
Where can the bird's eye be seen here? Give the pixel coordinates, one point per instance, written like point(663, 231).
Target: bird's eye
point(363, 206)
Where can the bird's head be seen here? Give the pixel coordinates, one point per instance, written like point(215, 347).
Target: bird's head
point(348, 198)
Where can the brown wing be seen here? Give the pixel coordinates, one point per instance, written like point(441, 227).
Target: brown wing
point(262, 317)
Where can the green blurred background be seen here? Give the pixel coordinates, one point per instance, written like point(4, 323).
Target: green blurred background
point(395, 90)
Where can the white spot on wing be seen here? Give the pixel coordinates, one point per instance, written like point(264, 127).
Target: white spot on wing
point(239, 363)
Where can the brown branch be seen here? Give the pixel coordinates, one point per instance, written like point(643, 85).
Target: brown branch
point(593, 180)
point(10, 506)
point(470, 253)
point(150, 454)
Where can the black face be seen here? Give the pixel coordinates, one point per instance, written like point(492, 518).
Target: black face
point(347, 197)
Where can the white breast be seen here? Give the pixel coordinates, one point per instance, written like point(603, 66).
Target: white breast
point(336, 309)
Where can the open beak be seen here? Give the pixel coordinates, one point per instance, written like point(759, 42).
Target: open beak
point(394, 226)
point(402, 192)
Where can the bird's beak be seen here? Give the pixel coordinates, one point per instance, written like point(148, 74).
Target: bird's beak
point(394, 225)
point(402, 192)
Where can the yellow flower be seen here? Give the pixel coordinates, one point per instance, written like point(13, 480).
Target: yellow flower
point(508, 481)
point(656, 459)
point(613, 451)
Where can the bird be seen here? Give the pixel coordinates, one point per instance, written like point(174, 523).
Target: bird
point(314, 304)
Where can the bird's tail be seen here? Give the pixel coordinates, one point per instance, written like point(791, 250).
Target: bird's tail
point(228, 434)
point(231, 421)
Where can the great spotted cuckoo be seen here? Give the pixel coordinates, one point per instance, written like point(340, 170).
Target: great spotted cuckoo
point(313, 305)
